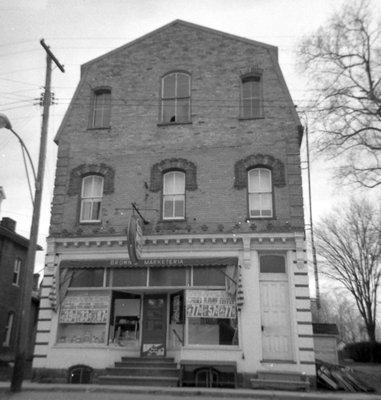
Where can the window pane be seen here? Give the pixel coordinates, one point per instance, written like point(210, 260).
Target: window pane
point(86, 210)
point(246, 109)
point(97, 186)
point(169, 86)
point(265, 180)
point(183, 107)
point(179, 207)
point(179, 183)
point(169, 183)
point(168, 207)
point(254, 180)
point(102, 110)
point(272, 264)
point(88, 278)
point(130, 277)
point(96, 211)
point(266, 204)
point(209, 276)
point(169, 113)
point(167, 276)
point(182, 85)
point(87, 186)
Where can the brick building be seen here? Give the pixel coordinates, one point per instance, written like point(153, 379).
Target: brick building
point(13, 250)
point(186, 139)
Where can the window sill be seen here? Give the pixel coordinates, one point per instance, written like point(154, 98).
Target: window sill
point(82, 223)
point(174, 123)
point(278, 362)
point(249, 118)
point(104, 128)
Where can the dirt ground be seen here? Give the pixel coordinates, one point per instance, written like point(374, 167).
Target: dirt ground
point(368, 372)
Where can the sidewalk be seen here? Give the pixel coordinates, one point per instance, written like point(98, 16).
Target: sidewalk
point(32, 390)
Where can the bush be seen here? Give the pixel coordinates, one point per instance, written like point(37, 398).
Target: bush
point(361, 351)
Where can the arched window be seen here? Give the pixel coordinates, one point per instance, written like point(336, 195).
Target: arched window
point(175, 98)
point(91, 198)
point(251, 97)
point(260, 193)
point(101, 110)
point(174, 195)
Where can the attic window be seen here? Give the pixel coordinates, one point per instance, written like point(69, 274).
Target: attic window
point(101, 109)
point(175, 98)
point(251, 96)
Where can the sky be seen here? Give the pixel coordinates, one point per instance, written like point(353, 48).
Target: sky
point(78, 31)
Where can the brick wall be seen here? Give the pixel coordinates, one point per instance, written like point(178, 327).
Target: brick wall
point(214, 142)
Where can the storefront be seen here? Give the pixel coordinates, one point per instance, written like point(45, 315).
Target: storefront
point(149, 309)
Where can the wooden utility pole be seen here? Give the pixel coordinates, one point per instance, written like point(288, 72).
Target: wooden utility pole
point(23, 331)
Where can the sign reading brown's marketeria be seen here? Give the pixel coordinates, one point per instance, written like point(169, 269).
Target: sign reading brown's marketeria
point(135, 239)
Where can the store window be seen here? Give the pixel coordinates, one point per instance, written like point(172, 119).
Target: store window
point(129, 277)
point(168, 276)
point(212, 318)
point(92, 277)
point(209, 276)
point(272, 264)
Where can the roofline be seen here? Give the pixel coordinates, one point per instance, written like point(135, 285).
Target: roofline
point(189, 24)
point(21, 240)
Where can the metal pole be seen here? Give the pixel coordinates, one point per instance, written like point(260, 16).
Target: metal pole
point(23, 332)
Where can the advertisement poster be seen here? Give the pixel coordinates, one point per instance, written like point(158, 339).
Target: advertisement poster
point(210, 304)
point(84, 310)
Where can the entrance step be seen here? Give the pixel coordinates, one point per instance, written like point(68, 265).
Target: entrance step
point(142, 372)
point(280, 380)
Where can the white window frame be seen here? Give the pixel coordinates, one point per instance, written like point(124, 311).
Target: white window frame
point(8, 329)
point(255, 111)
point(259, 193)
point(174, 195)
point(16, 271)
point(91, 199)
point(176, 98)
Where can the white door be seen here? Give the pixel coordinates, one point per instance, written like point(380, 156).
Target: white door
point(275, 320)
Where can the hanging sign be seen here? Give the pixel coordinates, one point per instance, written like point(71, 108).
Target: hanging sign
point(135, 239)
point(210, 304)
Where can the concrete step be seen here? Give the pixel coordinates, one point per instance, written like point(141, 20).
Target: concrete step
point(138, 381)
point(143, 371)
point(272, 384)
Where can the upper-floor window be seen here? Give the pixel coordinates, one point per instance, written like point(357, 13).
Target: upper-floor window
point(175, 98)
point(8, 329)
point(91, 198)
point(101, 109)
point(260, 193)
point(174, 195)
point(251, 97)
point(16, 272)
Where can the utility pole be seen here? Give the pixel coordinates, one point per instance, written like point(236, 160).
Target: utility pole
point(23, 331)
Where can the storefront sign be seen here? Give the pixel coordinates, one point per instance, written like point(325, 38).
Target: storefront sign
point(135, 239)
point(210, 304)
point(84, 309)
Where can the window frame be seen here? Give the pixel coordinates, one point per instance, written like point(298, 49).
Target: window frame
point(91, 199)
point(100, 108)
point(9, 328)
point(260, 193)
point(16, 271)
point(163, 197)
point(248, 78)
point(175, 98)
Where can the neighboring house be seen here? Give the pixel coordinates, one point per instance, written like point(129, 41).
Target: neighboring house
point(195, 130)
point(326, 342)
point(13, 251)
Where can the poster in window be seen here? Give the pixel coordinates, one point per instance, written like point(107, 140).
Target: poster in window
point(210, 304)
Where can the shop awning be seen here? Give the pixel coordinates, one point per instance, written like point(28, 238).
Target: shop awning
point(150, 262)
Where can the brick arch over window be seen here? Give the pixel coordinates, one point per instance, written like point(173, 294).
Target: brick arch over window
point(169, 164)
point(258, 160)
point(77, 174)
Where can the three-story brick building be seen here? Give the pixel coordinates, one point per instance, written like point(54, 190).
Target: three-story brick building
point(189, 137)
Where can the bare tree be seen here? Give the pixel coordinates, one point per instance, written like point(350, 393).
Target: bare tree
point(349, 245)
point(343, 63)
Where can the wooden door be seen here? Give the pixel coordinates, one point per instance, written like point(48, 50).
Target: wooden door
point(154, 334)
point(275, 319)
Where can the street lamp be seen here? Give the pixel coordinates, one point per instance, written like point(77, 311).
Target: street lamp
point(27, 271)
point(5, 123)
